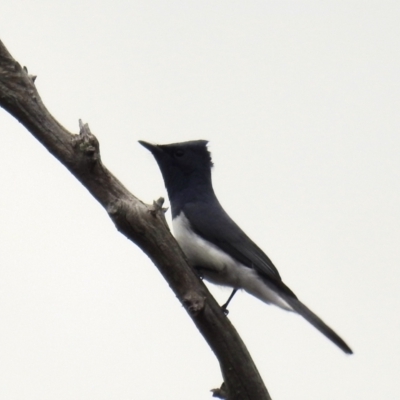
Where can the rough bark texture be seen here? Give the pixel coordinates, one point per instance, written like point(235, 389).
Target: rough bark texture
point(143, 224)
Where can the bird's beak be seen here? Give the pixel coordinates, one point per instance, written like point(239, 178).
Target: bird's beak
point(153, 148)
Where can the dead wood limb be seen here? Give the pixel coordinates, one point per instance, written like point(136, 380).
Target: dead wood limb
point(142, 224)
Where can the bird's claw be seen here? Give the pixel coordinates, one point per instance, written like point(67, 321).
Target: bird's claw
point(225, 309)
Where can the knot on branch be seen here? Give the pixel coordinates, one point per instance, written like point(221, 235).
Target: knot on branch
point(193, 302)
point(127, 214)
point(157, 209)
point(220, 393)
point(87, 143)
point(15, 82)
point(31, 77)
point(158, 206)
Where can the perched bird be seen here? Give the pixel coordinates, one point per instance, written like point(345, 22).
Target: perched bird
point(214, 245)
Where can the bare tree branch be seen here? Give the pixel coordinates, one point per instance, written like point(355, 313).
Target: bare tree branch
point(143, 224)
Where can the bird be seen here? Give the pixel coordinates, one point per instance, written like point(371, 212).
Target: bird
point(215, 246)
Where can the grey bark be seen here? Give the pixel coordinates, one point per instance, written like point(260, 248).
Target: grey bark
point(143, 224)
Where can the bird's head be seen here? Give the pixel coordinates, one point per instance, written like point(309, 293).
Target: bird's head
point(182, 164)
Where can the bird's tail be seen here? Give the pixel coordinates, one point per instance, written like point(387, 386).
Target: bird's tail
point(317, 322)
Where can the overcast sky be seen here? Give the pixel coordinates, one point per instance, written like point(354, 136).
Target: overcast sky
point(300, 103)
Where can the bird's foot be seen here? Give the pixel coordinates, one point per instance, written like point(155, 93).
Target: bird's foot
point(224, 308)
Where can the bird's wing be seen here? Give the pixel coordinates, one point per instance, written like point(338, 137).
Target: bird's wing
point(213, 224)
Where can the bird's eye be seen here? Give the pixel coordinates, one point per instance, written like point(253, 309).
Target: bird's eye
point(179, 153)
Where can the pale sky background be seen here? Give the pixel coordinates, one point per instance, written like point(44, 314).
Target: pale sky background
point(300, 102)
